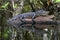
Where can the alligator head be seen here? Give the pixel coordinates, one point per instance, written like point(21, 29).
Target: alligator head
point(14, 21)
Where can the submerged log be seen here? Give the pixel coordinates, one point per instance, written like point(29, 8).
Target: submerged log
point(40, 22)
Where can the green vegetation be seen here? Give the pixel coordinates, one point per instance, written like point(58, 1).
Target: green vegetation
point(8, 9)
point(57, 1)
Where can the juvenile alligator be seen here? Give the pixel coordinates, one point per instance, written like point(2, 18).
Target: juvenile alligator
point(33, 15)
point(16, 19)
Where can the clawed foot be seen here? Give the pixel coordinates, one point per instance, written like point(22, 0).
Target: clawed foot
point(33, 22)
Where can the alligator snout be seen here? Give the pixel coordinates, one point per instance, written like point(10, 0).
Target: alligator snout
point(14, 21)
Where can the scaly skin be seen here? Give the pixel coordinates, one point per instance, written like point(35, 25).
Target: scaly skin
point(20, 17)
point(33, 15)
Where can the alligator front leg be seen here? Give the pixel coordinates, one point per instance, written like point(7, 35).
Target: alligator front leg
point(33, 19)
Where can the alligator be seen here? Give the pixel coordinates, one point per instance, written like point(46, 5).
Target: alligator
point(33, 15)
point(16, 19)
